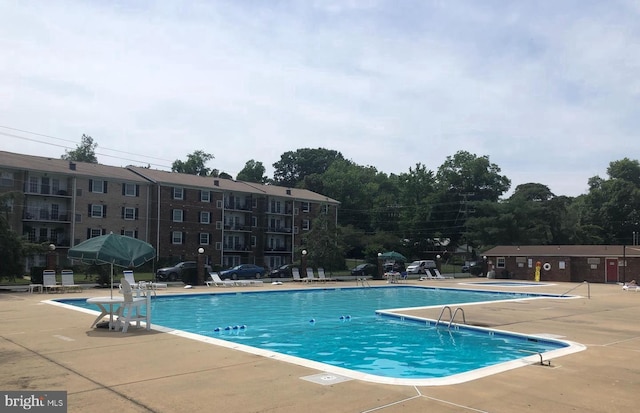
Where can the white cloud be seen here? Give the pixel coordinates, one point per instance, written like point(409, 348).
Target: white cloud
point(550, 92)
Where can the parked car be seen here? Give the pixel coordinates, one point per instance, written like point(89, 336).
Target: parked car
point(180, 272)
point(284, 271)
point(420, 266)
point(242, 271)
point(364, 270)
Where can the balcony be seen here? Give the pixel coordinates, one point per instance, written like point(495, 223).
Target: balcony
point(236, 248)
point(279, 230)
point(238, 227)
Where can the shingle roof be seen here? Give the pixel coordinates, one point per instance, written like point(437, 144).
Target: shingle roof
point(195, 181)
point(61, 166)
point(564, 251)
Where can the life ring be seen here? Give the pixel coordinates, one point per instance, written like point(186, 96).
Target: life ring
point(546, 266)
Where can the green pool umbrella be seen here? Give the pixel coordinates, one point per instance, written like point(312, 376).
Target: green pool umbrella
point(113, 249)
point(392, 255)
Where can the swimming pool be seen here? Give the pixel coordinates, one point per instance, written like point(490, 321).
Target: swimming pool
point(345, 331)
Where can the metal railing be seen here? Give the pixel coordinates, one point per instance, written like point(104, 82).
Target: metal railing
point(573, 288)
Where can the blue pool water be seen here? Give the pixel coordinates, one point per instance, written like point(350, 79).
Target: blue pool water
point(341, 327)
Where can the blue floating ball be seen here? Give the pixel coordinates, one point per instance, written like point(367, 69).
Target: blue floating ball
point(217, 329)
point(341, 317)
point(227, 328)
point(243, 327)
point(313, 320)
point(348, 317)
point(236, 327)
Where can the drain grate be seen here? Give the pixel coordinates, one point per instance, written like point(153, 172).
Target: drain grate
point(326, 378)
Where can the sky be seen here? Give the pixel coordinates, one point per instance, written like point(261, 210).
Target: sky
point(548, 90)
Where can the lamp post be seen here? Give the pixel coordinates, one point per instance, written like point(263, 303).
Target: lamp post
point(485, 268)
point(304, 261)
point(200, 266)
point(51, 257)
point(380, 267)
point(438, 262)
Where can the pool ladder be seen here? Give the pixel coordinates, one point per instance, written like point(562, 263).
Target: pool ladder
point(452, 316)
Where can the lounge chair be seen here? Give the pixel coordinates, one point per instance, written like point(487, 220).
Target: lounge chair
point(67, 281)
point(49, 281)
point(217, 282)
point(296, 274)
point(129, 311)
point(322, 276)
point(631, 287)
point(310, 277)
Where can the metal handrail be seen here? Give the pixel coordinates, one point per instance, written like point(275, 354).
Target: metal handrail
point(588, 289)
point(464, 319)
point(446, 307)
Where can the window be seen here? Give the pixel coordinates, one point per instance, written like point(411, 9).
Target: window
point(500, 262)
point(97, 186)
point(305, 206)
point(276, 206)
point(129, 233)
point(205, 196)
point(176, 237)
point(95, 232)
point(97, 211)
point(177, 215)
point(34, 184)
point(129, 213)
point(204, 238)
point(254, 221)
point(205, 217)
point(130, 189)
point(254, 240)
point(306, 225)
point(6, 179)
point(178, 193)
point(219, 204)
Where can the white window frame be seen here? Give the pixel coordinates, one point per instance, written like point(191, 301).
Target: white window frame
point(305, 206)
point(129, 213)
point(205, 196)
point(97, 211)
point(95, 232)
point(178, 192)
point(306, 225)
point(97, 186)
point(205, 238)
point(205, 217)
point(501, 262)
point(129, 233)
point(177, 215)
point(177, 237)
point(130, 189)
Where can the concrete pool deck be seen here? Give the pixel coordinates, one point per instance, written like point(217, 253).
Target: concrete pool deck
point(46, 347)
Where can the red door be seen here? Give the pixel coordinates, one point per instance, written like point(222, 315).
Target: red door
point(612, 270)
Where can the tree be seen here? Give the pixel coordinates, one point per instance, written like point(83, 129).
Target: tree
point(84, 152)
point(322, 243)
point(252, 172)
point(293, 167)
point(194, 165)
point(11, 245)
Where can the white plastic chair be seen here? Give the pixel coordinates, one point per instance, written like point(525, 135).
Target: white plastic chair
point(217, 282)
point(68, 282)
point(129, 311)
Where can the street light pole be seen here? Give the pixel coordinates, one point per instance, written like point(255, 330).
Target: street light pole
point(51, 257)
point(200, 266)
point(304, 261)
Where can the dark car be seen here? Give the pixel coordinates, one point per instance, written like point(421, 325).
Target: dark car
point(284, 271)
point(182, 271)
point(364, 270)
point(242, 271)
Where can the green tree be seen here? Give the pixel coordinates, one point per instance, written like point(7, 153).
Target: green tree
point(84, 152)
point(194, 165)
point(11, 245)
point(293, 167)
point(323, 244)
point(252, 172)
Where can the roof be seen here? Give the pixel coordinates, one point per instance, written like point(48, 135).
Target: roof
point(564, 251)
point(222, 184)
point(64, 167)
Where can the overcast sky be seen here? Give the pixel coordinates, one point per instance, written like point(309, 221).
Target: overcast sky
point(549, 90)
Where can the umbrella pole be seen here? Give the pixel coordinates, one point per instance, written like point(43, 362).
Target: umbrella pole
point(111, 276)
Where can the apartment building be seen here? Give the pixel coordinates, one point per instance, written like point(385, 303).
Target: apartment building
point(64, 203)
point(234, 222)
